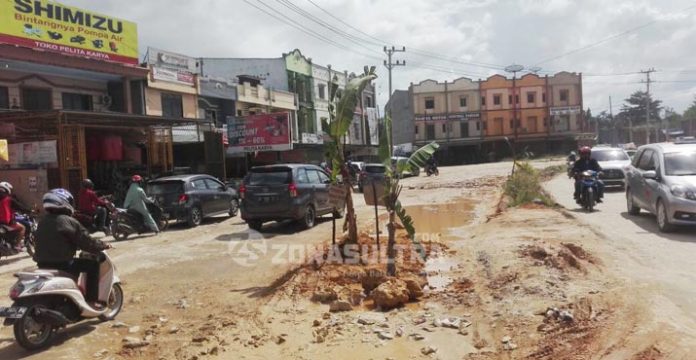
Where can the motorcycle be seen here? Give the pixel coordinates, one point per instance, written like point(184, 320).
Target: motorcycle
point(7, 235)
point(431, 170)
point(128, 222)
point(589, 190)
point(48, 300)
point(90, 221)
point(569, 166)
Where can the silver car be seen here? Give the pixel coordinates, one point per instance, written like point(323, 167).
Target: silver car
point(614, 163)
point(662, 180)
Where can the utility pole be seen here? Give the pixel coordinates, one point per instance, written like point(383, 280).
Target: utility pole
point(391, 65)
point(613, 126)
point(647, 107)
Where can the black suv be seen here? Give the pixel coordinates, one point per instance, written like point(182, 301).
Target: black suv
point(297, 192)
point(190, 198)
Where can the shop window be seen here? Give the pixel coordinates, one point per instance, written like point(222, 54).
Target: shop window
point(464, 129)
point(444, 128)
point(478, 126)
point(510, 99)
point(564, 95)
point(462, 101)
point(368, 102)
point(36, 99)
point(483, 101)
point(517, 99)
point(496, 99)
point(4, 98)
point(415, 130)
point(322, 91)
point(77, 102)
point(172, 106)
point(531, 97)
point(429, 103)
point(543, 97)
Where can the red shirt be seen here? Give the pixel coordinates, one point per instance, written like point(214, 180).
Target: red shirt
point(6, 213)
point(88, 200)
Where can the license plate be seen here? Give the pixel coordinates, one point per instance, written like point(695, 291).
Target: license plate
point(12, 312)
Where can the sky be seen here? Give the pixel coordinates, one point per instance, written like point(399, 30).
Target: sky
point(609, 41)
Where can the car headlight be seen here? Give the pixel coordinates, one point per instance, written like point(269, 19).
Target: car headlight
point(682, 192)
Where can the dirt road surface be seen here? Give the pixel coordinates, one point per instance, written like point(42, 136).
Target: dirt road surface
point(662, 264)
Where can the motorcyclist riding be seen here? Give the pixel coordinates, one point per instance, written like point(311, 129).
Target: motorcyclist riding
point(7, 214)
point(572, 156)
point(90, 204)
point(136, 200)
point(586, 162)
point(59, 236)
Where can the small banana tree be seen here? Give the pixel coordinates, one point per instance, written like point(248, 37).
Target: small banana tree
point(341, 113)
point(392, 190)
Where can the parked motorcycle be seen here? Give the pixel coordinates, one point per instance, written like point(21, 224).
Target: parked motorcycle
point(589, 190)
point(90, 221)
point(128, 222)
point(48, 300)
point(431, 170)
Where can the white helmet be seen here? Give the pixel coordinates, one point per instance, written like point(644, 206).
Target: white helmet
point(59, 199)
point(6, 187)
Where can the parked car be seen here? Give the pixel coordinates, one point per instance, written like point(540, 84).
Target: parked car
point(413, 172)
point(614, 163)
point(298, 192)
point(370, 173)
point(356, 167)
point(662, 180)
point(191, 198)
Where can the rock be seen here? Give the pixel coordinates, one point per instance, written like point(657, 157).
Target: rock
point(183, 304)
point(199, 339)
point(324, 295)
point(417, 337)
point(428, 350)
point(134, 343)
point(400, 332)
point(464, 323)
point(133, 329)
point(340, 305)
point(463, 332)
point(163, 319)
point(101, 353)
point(173, 330)
point(391, 294)
point(437, 322)
point(278, 340)
point(118, 325)
point(326, 316)
point(506, 339)
point(452, 323)
point(428, 329)
point(374, 277)
point(566, 316)
point(149, 338)
point(316, 322)
point(214, 351)
point(385, 336)
point(509, 346)
point(414, 285)
point(419, 320)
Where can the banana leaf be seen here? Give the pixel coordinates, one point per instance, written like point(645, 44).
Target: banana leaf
point(422, 155)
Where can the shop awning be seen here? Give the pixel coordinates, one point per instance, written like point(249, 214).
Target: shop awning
point(98, 118)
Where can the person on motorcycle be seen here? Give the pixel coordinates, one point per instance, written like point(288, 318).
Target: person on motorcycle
point(90, 204)
point(7, 214)
point(137, 200)
point(59, 236)
point(572, 157)
point(586, 162)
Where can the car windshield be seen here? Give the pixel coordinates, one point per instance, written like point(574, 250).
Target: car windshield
point(269, 177)
point(375, 169)
point(169, 187)
point(609, 155)
point(680, 163)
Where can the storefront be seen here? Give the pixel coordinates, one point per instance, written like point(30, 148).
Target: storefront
point(50, 149)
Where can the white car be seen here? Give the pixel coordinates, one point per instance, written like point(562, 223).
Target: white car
point(614, 162)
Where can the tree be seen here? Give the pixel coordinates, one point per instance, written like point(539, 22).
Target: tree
point(672, 118)
point(634, 108)
point(341, 112)
point(690, 113)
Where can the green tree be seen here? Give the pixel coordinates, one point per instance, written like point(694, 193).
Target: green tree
point(690, 113)
point(672, 118)
point(634, 108)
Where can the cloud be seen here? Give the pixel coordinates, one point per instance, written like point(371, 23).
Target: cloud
point(491, 33)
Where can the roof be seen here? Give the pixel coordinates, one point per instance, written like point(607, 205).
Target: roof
point(674, 147)
point(180, 177)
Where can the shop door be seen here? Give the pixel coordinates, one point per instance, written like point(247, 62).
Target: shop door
point(214, 155)
point(73, 157)
point(159, 155)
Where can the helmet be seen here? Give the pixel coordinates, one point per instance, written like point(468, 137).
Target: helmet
point(573, 153)
point(585, 150)
point(59, 199)
point(136, 178)
point(6, 187)
point(87, 184)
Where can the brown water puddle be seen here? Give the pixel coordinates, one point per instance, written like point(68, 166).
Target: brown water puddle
point(439, 218)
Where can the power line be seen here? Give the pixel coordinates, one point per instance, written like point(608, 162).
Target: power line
point(612, 37)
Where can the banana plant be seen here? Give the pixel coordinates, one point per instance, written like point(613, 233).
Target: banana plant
point(341, 113)
point(392, 190)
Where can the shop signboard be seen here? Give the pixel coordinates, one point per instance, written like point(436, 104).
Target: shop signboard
point(171, 60)
point(264, 132)
point(52, 26)
point(32, 153)
point(565, 110)
point(174, 76)
point(451, 116)
point(311, 138)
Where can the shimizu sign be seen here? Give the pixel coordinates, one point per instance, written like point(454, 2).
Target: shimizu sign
point(55, 27)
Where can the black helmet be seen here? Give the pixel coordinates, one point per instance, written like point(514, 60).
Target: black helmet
point(87, 184)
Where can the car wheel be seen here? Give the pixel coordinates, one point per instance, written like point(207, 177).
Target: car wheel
point(663, 218)
point(195, 216)
point(255, 225)
point(234, 207)
point(309, 217)
point(632, 208)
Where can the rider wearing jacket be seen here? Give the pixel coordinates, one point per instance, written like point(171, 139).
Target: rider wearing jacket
point(59, 236)
point(89, 203)
point(7, 214)
point(137, 200)
point(586, 162)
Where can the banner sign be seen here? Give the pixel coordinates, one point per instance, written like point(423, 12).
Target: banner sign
point(51, 26)
point(171, 60)
point(452, 116)
point(32, 153)
point(565, 110)
point(175, 76)
point(4, 150)
point(264, 132)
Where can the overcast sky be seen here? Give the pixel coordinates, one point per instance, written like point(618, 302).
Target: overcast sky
point(473, 38)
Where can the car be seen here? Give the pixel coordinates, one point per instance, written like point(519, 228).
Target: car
point(370, 173)
point(662, 180)
point(631, 153)
point(298, 192)
point(400, 159)
point(355, 168)
point(614, 162)
point(191, 198)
